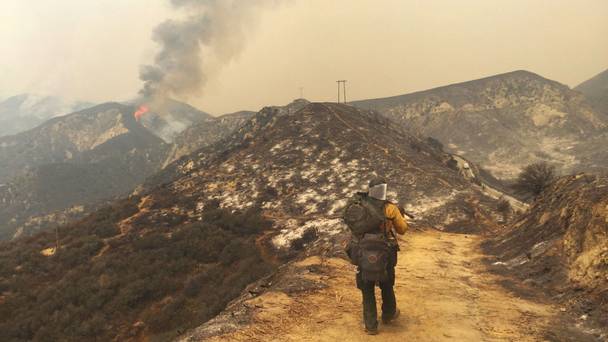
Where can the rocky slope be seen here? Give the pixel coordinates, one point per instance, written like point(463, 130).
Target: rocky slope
point(174, 253)
point(73, 161)
point(561, 245)
point(505, 122)
point(596, 90)
point(25, 111)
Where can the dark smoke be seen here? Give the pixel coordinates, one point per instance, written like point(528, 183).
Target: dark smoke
point(212, 28)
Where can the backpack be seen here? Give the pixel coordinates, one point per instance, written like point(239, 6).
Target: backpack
point(373, 257)
point(363, 214)
point(369, 249)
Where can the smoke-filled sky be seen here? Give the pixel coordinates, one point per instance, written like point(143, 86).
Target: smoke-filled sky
point(263, 53)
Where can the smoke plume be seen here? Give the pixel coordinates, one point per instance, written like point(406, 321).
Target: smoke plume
point(211, 29)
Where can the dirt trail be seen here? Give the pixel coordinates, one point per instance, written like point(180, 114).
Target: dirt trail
point(442, 288)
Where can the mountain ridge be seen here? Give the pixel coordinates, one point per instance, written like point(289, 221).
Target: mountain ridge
point(22, 112)
point(504, 122)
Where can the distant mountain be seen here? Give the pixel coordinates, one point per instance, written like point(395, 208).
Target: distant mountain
point(172, 118)
point(596, 90)
point(103, 129)
point(505, 122)
point(73, 160)
point(22, 112)
point(174, 253)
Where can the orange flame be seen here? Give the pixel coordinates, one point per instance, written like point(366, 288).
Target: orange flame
point(143, 109)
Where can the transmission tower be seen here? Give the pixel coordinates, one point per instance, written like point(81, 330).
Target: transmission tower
point(343, 82)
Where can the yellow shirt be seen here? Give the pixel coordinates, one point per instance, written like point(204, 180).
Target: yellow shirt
point(395, 219)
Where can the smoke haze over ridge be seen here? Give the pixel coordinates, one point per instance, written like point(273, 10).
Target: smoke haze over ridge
point(93, 50)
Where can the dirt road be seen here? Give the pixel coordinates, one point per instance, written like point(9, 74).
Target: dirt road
point(443, 291)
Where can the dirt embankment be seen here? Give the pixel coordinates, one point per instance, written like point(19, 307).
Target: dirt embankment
point(560, 246)
point(443, 290)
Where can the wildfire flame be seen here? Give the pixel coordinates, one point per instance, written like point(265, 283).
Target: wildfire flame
point(143, 109)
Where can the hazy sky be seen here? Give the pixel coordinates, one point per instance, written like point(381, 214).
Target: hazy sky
point(92, 50)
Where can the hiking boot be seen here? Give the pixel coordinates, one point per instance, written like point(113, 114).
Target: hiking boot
point(387, 320)
point(370, 331)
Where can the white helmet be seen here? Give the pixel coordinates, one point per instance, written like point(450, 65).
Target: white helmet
point(377, 189)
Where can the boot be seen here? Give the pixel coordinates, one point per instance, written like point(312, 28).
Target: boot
point(387, 320)
point(373, 331)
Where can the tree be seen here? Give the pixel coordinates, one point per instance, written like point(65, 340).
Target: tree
point(534, 179)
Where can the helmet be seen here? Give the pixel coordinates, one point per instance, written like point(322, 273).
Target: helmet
point(377, 189)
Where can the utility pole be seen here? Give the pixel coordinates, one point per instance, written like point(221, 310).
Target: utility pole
point(343, 82)
point(301, 92)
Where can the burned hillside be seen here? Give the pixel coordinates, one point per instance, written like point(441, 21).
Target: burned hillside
point(306, 163)
point(561, 245)
point(173, 255)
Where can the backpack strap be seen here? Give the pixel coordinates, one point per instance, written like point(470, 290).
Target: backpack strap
point(386, 232)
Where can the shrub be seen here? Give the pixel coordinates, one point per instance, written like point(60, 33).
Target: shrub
point(534, 178)
point(434, 143)
point(452, 164)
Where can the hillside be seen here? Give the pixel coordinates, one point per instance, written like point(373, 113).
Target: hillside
point(71, 162)
point(561, 245)
point(171, 256)
point(596, 91)
point(505, 122)
point(22, 112)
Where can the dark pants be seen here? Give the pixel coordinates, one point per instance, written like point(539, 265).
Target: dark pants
point(389, 303)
